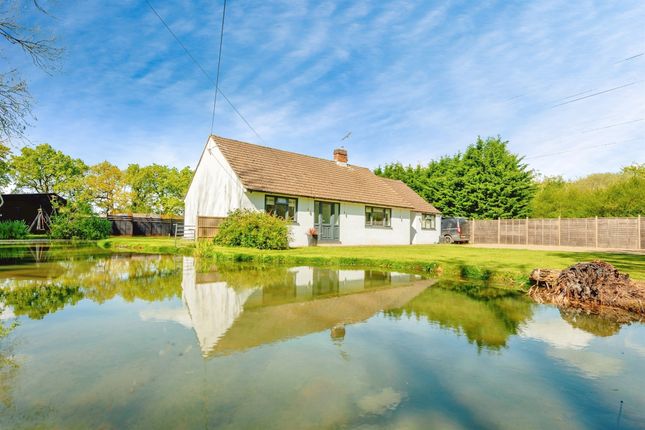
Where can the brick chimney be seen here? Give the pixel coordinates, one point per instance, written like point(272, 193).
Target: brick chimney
point(340, 156)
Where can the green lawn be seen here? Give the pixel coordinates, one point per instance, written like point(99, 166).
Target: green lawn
point(502, 265)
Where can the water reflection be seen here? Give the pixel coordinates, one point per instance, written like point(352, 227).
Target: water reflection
point(233, 310)
point(236, 307)
point(487, 316)
point(126, 350)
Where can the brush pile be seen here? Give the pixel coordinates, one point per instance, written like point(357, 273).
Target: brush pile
point(588, 285)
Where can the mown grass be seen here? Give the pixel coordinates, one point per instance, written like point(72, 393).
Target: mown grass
point(496, 265)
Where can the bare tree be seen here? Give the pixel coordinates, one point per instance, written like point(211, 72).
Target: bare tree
point(15, 100)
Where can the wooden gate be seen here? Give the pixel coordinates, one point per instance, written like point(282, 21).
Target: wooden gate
point(208, 226)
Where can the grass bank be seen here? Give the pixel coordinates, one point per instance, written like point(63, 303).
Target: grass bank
point(498, 265)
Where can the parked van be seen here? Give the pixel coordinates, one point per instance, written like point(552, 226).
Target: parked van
point(455, 230)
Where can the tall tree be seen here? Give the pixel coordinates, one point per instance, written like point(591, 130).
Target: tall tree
point(495, 181)
point(4, 166)
point(43, 169)
point(15, 100)
point(486, 181)
point(106, 187)
point(158, 189)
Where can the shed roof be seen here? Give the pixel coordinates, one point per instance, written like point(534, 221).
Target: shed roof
point(271, 170)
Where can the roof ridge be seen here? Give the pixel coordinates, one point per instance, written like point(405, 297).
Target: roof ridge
point(215, 136)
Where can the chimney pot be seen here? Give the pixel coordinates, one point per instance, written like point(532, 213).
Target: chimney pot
point(340, 156)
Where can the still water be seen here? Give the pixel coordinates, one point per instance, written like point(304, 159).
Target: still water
point(110, 341)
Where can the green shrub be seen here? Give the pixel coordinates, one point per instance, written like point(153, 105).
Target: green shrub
point(13, 229)
point(253, 229)
point(83, 227)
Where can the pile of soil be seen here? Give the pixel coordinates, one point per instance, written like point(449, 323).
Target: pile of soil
point(588, 285)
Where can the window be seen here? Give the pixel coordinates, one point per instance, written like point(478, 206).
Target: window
point(378, 217)
point(282, 207)
point(428, 222)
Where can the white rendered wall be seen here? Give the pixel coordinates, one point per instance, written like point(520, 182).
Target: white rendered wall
point(215, 189)
point(352, 224)
point(354, 232)
point(420, 236)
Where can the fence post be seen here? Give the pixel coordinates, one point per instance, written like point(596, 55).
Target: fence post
point(596, 231)
point(559, 230)
point(527, 230)
point(472, 232)
point(639, 232)
point(499, 230)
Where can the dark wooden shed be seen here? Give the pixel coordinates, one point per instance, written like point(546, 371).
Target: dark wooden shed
point(26, 207)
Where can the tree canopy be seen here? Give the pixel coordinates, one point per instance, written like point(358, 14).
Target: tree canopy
point(106, 187)
point(600, 194)
point(102, 188)
point(157, 188)
point(4, 166)
point(43, 169)
point(486, 181)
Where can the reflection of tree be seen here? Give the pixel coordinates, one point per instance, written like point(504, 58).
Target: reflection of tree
point(40, 300)
point(8, 365)
point(486, 315)
point(598, 325)
point(54, 285)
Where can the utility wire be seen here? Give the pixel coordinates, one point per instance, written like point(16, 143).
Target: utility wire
point(613, 125)
point(581, 147)
point(204, 72)
point(630, 58)
point(597, 93)
point(584, 131)
point(219, 62)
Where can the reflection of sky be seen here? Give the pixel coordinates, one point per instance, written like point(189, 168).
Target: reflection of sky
point(550, 328)
point(7, 313)
point(134, 364)
point(570, 345)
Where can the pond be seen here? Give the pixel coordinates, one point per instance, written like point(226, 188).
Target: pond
point(116, 341)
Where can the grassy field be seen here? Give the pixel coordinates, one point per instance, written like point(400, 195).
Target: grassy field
point(500, 265)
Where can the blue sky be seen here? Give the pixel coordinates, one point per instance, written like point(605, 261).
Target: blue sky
point(412, 80)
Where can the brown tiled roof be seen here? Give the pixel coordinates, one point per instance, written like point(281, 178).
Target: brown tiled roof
point(261, 168)
point(417, 202)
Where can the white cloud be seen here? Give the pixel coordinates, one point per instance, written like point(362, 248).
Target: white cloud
point(411, 80)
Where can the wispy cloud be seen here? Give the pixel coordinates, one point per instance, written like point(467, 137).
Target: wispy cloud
point(412, 80)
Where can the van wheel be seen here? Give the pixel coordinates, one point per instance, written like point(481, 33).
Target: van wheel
point(447, 239)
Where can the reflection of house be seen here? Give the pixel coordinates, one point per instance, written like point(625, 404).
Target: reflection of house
point(213, 307)
point(345, 203)
point(307, 300)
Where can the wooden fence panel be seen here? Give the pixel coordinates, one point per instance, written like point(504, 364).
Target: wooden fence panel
point(620, 233)
point(142, 225)
point(513, 231)
point(208, 226)
point(485, 231)
point(578, 232)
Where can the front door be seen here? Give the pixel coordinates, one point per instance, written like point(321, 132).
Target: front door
point(327, 220)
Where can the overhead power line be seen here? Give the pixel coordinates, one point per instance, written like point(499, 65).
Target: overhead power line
point(613, 125)
point(582, 147)
point(630, 58)
point(575, 134)
point(219, 62)
point(204, 72)
point(597, 93)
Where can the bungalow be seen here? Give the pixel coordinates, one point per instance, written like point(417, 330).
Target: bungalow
point(346, 204)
